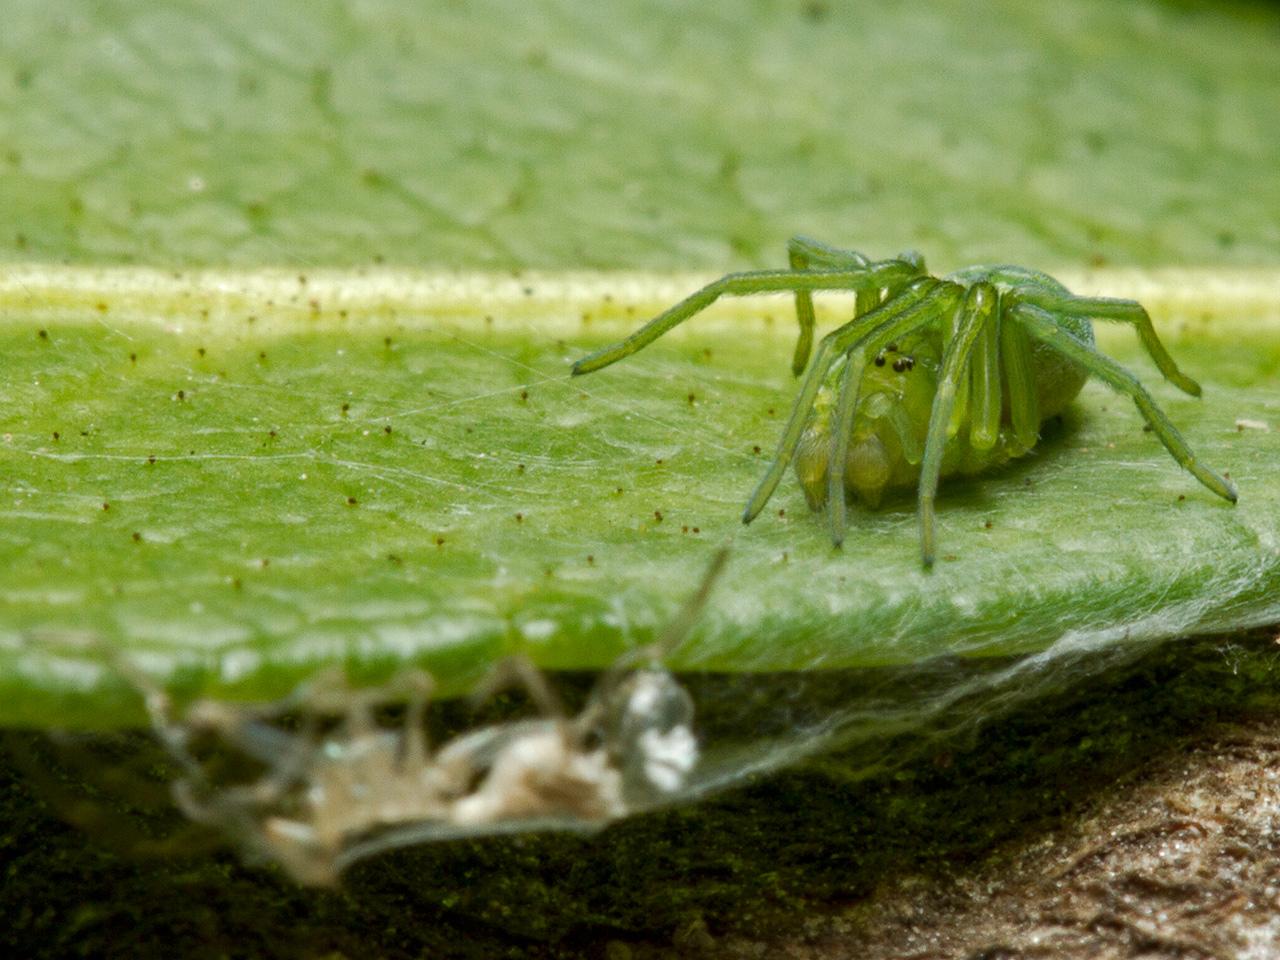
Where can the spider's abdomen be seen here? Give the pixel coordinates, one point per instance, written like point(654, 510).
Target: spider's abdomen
point(892, 419)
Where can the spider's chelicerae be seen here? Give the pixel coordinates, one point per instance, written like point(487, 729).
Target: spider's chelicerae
point(932, 377)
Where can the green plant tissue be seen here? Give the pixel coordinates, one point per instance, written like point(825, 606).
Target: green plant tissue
point(289, 293)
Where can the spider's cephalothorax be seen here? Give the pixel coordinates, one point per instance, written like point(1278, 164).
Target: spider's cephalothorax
point(1012, 385)
point(931, 377)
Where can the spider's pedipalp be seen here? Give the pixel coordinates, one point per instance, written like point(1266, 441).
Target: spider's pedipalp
point(829, 350)
point(974, 315)
point(1121, 311)
point(938, 299)
point(1042, 325)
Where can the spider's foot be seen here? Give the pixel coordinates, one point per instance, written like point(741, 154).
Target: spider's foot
point(928, 533)
point(596, 361)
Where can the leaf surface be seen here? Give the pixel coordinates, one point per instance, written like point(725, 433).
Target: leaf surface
point(237, 478)
point(196, 463)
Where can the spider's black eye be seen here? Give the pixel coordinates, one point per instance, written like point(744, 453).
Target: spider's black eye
point(880, 361)
point(900, 365)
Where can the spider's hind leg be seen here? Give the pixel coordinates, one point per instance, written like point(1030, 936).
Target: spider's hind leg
point(1043, 326)
point(1121, 311)
point(1018, 374)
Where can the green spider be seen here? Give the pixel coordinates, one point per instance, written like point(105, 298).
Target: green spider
point(931, 378)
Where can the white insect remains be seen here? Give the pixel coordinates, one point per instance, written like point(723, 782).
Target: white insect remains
point(340, 786)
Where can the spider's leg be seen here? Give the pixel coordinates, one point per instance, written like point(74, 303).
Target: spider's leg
point(1121, 311)
point(841, 426)
point(937, 302)
point(960, 401)
point(616, 674)
point(974, 318)
point(824, 255)
point(1043, 326)
point(873, 276)
point(288, 755)
point(419, 686)
point(411, 686)
point(1016, 368)
point(806, 253)
point(829, 350)
point(683, 622)
point(985, 394)
point(248, 731)
point(169, 730)
point(519, 671)
point(330, 693)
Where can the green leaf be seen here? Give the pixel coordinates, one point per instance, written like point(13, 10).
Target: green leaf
point(325, 138)
point(637, 135)
point(236, 478)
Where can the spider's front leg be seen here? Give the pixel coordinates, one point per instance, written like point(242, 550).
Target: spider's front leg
point(873, 276)
point(976, 315)
point(939, 301)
